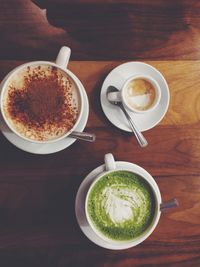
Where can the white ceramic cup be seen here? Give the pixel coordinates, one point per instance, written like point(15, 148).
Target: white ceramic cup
point(120, 96)
point(61, 63)
point(110, 166)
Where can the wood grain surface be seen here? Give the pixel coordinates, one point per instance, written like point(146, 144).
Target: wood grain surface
point(96, 29)
point(37, 192)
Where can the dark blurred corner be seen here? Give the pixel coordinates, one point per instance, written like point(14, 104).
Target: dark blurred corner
point(117, 29)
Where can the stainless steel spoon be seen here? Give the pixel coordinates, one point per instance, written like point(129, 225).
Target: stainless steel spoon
point(83, 136)
point(169, 204)
point(139, 136)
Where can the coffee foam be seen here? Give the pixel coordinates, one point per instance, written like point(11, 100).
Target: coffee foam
point(140, 94)
point(17, 82)
point(119, 203)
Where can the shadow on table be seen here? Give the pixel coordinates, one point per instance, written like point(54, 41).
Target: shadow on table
point(117, 30)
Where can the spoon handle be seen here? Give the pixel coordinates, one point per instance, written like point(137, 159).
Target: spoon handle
point(140, 137)
point(83, 136)
point(169, 204)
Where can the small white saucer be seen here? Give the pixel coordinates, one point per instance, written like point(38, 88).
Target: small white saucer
point(117, 78)
point(52, 147)
point(80, 202)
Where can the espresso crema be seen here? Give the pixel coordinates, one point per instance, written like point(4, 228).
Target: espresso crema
point(140, 94)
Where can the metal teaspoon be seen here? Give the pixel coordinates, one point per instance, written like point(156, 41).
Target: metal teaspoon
point(139, 136)
point(83, 136)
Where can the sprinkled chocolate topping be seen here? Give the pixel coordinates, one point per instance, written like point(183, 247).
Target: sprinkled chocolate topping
point(44, 103)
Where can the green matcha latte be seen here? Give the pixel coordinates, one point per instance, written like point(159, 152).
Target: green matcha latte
point(121, 205)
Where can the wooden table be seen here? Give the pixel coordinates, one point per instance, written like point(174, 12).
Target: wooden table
point(37, 192)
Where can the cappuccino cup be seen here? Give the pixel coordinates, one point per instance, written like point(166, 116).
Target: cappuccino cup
point(42, 101)
point(140, 94)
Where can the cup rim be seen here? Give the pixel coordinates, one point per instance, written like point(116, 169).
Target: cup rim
point(155, 189)
point(155, 85)
point(32, 63)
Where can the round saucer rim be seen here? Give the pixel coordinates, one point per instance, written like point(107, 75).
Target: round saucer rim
point(166, 88)
point(67, 139)
point(91, 176)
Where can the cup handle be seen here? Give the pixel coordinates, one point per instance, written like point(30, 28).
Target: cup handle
point(114, 96)
point(109, 162)
point(63, 56)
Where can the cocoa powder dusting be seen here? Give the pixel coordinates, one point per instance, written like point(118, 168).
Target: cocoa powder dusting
point(44, 103)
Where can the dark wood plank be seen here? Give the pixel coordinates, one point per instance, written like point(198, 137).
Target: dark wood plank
point(97, 30)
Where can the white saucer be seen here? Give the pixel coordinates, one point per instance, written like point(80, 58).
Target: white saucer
point(47, 148)
point(117, 78)
point(80, 202)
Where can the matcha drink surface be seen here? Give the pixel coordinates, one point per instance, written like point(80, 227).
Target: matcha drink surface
point(121, 205)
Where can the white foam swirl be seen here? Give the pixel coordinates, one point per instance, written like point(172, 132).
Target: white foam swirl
point(120, 202)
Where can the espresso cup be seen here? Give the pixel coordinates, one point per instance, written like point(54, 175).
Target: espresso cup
point(139, 94)
point(122, 206)
point(71, 98)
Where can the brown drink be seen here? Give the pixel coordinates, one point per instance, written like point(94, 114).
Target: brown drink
point(41, 102)
point(140, 94)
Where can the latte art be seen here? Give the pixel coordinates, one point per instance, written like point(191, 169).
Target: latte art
point(121, 205)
